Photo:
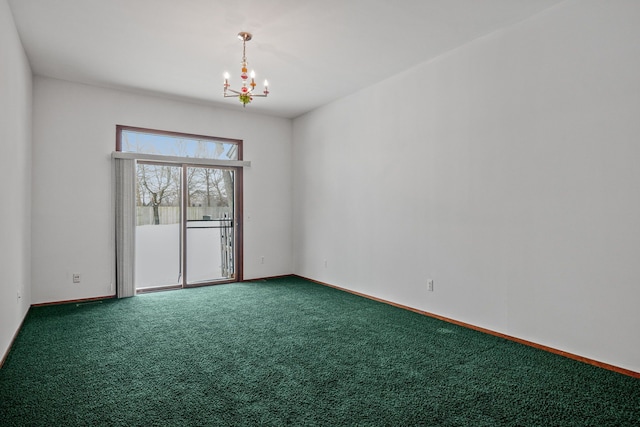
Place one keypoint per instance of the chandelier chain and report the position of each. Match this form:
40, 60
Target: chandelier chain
244, 52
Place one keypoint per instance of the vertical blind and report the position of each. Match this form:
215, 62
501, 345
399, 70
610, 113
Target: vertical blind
125, 226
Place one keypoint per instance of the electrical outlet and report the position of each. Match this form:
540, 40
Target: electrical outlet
76, 277
261, 260
430, 285
325, 263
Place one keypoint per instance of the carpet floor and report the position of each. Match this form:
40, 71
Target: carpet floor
288, 352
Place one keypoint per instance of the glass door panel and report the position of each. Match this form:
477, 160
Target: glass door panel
158, 219
209, 237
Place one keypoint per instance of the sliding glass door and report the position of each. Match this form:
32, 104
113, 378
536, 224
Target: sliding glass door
158, 262
185, 225
209, 225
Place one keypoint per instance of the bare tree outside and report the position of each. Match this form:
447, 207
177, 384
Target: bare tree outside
217, 184
158, 185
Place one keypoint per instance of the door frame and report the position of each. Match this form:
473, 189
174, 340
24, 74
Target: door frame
235, 165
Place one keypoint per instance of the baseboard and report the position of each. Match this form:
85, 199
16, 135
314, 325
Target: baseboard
579, 358
73, 301
15, 335
262, 279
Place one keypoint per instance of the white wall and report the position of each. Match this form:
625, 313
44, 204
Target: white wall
15, 179
507, 170
73, 136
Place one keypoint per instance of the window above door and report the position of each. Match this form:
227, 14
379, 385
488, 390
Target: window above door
175, 144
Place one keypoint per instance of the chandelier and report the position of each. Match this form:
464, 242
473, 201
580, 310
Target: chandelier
246, 92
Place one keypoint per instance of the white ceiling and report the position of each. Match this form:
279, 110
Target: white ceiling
311, 51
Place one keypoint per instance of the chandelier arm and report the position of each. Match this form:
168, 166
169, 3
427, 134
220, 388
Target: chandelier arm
237, 94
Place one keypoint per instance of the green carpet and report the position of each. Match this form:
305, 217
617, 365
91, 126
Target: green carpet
289, 352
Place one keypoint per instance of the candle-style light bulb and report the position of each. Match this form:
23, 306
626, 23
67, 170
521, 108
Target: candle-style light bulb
226, 83
253, 82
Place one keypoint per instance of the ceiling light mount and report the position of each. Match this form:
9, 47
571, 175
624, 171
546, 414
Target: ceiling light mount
244, 36
246, 93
